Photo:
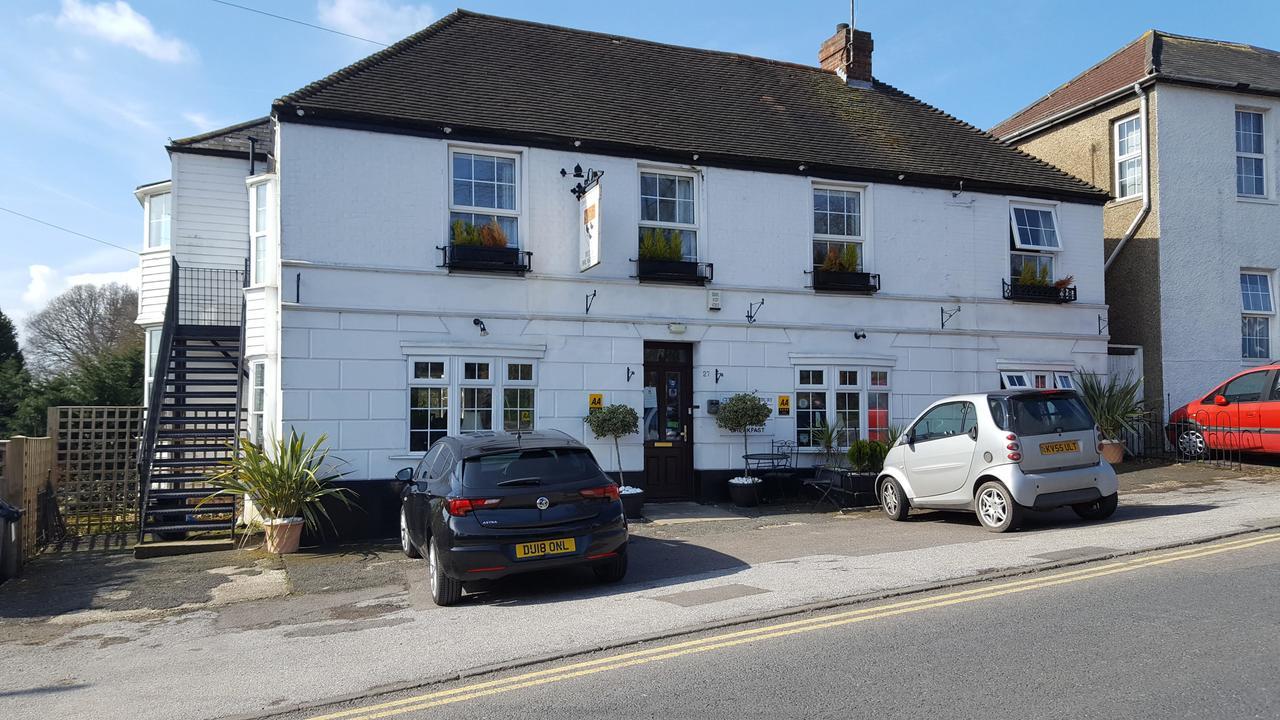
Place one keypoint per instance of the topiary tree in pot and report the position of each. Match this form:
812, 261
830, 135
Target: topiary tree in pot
616, 421
740, 413
1115, 407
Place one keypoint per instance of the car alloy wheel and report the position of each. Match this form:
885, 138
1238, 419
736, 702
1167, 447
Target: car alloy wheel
889, 498
992, 507
1191, 444
406, 545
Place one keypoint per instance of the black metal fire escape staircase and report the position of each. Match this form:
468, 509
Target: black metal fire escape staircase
195, 409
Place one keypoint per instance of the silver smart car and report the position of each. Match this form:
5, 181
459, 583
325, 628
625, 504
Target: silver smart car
999, 454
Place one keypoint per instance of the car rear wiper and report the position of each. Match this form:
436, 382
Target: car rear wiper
520, 481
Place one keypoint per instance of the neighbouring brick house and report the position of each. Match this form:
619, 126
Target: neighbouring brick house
1182, 132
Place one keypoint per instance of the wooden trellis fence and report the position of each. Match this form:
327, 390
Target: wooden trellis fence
97, 468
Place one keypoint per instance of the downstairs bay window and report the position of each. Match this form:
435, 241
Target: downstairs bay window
852, 400
466, 394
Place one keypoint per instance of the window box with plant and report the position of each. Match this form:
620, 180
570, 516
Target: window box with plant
661, 259
483, 248
841, 271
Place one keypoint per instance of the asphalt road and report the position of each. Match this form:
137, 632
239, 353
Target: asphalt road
1189, 633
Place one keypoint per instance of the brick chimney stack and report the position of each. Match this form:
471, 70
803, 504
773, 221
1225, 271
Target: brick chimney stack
847, 53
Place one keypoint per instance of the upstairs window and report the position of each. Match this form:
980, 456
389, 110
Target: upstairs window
1035, 241
1255, 320
1250, 156
668, 216
484, 207
837, 229
158, 220
1128, 149
259, 242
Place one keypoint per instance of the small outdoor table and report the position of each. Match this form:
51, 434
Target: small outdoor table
766, 461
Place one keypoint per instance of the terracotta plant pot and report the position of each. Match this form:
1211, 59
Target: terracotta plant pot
283, 535
1112, 451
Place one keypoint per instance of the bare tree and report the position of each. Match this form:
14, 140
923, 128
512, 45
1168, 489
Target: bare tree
81, 324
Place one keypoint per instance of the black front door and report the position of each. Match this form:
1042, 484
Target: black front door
668, 421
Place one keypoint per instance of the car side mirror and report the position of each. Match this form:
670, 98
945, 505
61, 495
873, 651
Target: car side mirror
404, 474
1221, 401
973, 432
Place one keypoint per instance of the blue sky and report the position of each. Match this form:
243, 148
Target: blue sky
91, 89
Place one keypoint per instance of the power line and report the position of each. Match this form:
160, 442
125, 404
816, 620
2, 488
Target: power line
66, 230
298, 22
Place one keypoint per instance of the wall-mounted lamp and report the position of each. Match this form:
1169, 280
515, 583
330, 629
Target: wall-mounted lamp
480, 324
718, 375
447, 129
753, 309
676, 328
859, 334
630, 374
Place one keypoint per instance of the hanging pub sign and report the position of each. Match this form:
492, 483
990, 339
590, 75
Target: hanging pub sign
589, 228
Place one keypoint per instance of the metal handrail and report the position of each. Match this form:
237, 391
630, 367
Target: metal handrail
241, 376
159, 376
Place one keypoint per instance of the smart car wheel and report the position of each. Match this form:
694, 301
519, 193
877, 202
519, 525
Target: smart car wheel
445, 590
996, 508
893, 500
1099, 509
1191, 444
406, 545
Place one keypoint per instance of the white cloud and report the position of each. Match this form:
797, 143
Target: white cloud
375, 19
45, 283
201, 122
118, 23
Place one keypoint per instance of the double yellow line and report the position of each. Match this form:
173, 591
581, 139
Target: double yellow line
794, 627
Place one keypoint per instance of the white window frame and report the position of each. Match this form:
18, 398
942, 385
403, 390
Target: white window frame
1264, 315
257, 404
1039, 257
1261, 157
517, 213
260, 238
831, 386
1050, 208
860, 239
694, 227
152, 339
160, 191
1137, 153
1025, 379
454, 382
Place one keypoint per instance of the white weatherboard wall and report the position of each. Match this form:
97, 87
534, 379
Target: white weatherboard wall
362, 214
210, 211
153, 286
1208, 234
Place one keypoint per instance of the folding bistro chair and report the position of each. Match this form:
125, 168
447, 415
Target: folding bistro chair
782, 468
829, 482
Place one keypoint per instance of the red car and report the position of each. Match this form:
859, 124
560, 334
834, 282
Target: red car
1241, 414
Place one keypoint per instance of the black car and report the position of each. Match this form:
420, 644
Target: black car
487, 505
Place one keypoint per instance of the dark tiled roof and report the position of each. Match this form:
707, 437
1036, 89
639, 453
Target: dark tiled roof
550, 85
1161, 56
233, 140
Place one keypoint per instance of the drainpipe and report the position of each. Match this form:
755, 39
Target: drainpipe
253, 150
1146, 181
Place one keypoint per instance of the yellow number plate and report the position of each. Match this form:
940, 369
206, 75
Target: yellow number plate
1055, 448
545, 547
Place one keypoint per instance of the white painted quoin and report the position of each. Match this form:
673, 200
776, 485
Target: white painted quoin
361, 334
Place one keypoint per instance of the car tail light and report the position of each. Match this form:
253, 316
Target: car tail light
458, 507
609, 492
1013, 447
1100, 438
1015, 456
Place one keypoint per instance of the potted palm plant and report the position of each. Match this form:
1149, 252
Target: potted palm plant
1115, 407
615, 421
739, 414
287, 481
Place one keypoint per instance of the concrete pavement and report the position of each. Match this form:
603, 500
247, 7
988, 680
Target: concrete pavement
337, 636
